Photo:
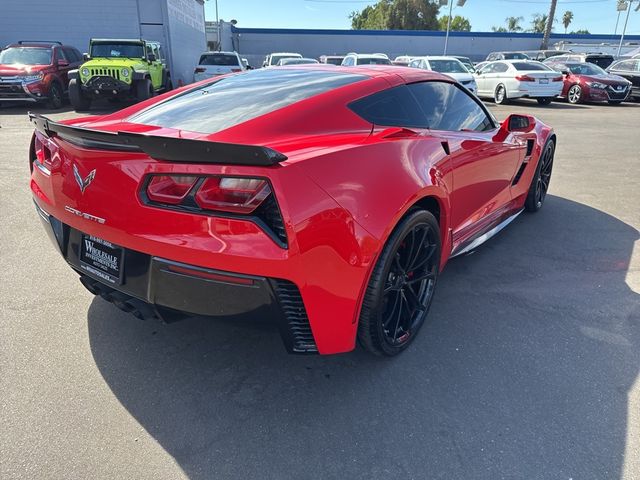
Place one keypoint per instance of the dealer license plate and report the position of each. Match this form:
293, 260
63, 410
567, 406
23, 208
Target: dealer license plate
101, 259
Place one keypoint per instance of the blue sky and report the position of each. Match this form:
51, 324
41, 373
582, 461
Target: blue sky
598, 16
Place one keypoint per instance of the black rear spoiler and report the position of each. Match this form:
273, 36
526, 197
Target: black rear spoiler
161, 148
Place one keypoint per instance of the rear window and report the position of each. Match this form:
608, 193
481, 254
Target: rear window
515, 56
219, 59
374, 61
231, 101
530, 66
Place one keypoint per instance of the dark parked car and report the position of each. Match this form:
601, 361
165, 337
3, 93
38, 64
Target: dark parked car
33, 71
542, 55
585, 81
603, 60
629, 69
507, 56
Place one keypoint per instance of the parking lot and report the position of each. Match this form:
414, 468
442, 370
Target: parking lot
529, 367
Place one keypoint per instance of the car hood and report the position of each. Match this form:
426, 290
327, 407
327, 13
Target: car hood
122, 62
606, 79
460, 77
19, 69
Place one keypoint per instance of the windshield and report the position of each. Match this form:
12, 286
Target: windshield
25, 56
529, 66
219, 59
516, 56
276, 58
334, 60
125, 50
447, 66
373, 61
585, 69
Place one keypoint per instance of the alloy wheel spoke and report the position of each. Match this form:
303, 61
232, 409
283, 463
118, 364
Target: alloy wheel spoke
392, 314
421, 278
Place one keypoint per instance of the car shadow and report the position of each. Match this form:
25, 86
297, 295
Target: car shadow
556, 104
522, 371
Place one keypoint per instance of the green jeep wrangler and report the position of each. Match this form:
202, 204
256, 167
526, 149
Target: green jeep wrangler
119, 68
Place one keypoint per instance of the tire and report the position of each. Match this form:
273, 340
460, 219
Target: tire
401, 286
574, 95
614, 102
541, 178
55, 100
78, 100
168, 86
544, 100
144, 89
500, 95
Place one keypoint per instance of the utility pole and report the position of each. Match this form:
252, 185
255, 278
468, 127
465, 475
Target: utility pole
624, 30
549, 25
218, 28
460, 3
446, 38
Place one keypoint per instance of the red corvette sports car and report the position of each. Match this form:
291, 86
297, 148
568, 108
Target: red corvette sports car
327, 199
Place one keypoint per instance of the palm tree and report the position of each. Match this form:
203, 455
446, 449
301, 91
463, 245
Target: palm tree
513, 24
539, 23
549, 24
566, 19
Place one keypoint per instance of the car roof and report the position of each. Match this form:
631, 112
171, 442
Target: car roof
34, 44
367, 55
212, 52
284, 53
439, 57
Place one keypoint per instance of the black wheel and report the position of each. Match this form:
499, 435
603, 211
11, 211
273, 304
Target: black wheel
401, 287
500, 95
78, 100
574, 95
615, 102
544, 100
168, 86
144, 89
55, 96
540, 182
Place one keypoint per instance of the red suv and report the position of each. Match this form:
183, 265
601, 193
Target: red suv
33, 71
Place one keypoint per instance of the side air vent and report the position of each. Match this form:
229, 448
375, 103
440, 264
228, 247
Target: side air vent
269, 213
530, 145
516, 179
295, 327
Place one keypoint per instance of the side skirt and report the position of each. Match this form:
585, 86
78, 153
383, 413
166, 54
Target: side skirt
479, 240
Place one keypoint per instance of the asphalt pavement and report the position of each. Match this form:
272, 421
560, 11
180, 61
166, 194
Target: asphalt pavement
528, 367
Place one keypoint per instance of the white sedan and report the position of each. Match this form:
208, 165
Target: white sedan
450, 66
508, 79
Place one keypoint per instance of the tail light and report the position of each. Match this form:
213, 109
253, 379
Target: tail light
45, 158
232, 194
200, 70
240, 195
525, 78
170, 189
557, 79
249, 197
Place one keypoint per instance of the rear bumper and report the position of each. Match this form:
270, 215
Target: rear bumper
154, 287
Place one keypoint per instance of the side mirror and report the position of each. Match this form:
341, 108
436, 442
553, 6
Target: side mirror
151, 57
85, 57
565, 72
519, 123
63, 63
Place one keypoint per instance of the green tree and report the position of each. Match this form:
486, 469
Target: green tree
498, 29
458, 23
397, 15
582, 31
513, 24
539, 23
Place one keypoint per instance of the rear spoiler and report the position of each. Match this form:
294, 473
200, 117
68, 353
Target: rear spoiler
169, 149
